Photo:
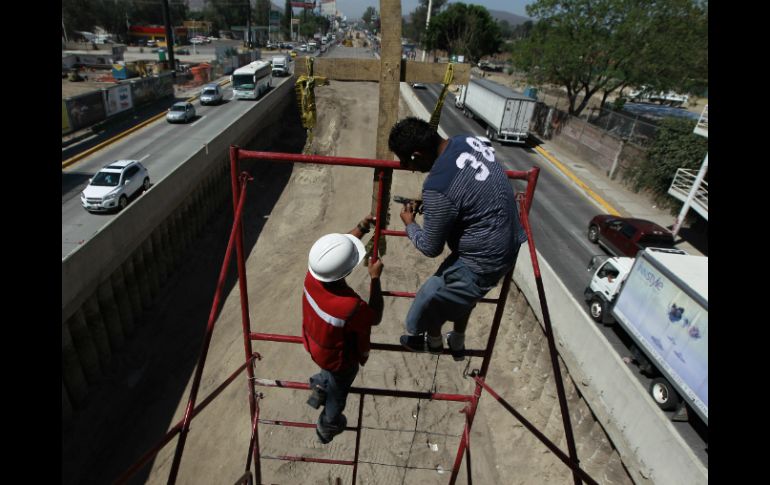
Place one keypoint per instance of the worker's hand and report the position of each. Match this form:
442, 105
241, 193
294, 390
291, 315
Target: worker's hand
407, 213
375, 268
368, 221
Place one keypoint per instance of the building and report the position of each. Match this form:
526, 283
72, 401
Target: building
138, 34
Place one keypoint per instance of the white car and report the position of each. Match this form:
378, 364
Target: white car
180, 112
197, 40
113, 185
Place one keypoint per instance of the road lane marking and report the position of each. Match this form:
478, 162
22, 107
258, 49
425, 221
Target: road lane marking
580, 183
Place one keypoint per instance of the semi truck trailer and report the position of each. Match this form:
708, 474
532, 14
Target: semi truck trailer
506, 113
660, 298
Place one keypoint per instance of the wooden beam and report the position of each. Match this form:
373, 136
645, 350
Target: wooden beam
341, 69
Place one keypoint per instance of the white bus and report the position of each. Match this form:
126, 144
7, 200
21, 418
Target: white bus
251, 80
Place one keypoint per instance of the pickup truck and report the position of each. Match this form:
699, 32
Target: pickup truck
622, 236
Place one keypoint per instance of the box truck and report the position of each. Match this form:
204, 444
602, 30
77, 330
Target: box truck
506, 113
660, 298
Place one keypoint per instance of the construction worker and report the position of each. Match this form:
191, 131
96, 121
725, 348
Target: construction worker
336, 322
468, 203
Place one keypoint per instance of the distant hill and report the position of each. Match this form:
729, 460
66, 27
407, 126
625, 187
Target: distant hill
511, 18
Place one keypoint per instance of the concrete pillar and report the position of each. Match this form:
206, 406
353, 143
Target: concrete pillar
120, 290
133, 290
98, 331
151, 265
140, 273
72, 373
110, 314
161, 256
84, 346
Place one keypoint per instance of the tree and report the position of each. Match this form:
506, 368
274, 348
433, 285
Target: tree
369, 14
286, 20
415, 28
463, 29
600, 46
675, 146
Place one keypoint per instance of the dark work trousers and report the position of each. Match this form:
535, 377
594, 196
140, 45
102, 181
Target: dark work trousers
337, 386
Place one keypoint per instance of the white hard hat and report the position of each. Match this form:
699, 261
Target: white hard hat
334, 256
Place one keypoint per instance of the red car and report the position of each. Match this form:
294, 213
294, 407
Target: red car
622, 236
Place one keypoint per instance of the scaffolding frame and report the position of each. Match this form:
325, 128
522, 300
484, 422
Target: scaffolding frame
239, 183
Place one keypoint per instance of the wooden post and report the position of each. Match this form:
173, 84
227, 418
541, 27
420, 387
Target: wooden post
389, 71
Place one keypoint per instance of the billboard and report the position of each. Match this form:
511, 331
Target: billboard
65, 119
671, 326
117, 99
85, 109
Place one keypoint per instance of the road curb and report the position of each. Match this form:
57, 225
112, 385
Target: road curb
543, 152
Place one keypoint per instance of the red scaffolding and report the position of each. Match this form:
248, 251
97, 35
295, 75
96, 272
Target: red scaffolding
239, 181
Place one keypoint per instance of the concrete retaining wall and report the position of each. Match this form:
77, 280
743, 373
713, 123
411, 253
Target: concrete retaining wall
112, 279
650, 447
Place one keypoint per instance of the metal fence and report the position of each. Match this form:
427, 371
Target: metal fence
628, 127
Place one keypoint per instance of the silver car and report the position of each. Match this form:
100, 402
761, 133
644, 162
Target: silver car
113, 185
211, 94
181, 112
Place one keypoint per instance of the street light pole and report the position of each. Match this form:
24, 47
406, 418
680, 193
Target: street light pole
427, 23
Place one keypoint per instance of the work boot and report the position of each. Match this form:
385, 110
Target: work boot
326, 433
456, 343
317, 397
419, 343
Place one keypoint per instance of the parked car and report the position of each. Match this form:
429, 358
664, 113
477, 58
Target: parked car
151, 43
180, 112
211, 94
113, 185
622, 236
197, 40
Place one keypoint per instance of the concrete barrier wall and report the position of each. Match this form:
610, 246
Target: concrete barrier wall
650, 447
112, 279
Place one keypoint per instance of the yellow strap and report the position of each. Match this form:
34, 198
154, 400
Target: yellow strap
304, 87
448, 76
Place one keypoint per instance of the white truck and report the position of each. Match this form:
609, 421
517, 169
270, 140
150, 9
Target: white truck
506, 112
281, 66
660, 298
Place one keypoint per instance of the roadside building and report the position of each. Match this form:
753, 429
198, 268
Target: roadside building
140, 34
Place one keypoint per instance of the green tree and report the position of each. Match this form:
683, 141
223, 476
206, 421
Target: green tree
286, 20
466, 30
415, 28
600, 46
675, 146
369, 15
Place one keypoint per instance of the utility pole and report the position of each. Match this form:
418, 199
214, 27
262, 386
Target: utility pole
248, 24
169, 38
427, 23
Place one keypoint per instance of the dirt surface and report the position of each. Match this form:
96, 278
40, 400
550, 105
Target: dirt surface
404, 440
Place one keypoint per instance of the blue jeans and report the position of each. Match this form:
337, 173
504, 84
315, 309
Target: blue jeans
449, 295
337, 386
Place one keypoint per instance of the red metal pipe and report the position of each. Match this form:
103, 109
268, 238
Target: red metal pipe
314, 460
347, 161
435, 396
550, 444
407, 294
244, 297
378, 222
175, 429
206, 342
552, 349
388, 232
291, 339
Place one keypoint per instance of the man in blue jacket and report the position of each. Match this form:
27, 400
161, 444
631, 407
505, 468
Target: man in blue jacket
469, 204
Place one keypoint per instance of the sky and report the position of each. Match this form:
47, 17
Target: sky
355, 8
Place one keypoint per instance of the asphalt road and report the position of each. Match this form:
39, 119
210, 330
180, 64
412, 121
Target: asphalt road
160, 146
559, 217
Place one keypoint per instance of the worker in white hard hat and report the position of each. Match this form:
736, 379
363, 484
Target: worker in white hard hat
336, 322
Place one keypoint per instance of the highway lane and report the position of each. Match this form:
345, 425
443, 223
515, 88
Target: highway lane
160, 146
559, 217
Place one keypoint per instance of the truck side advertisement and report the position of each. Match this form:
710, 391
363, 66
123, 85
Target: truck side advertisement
671, 325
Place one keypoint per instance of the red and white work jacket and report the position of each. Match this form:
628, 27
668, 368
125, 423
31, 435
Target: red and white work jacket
336, 325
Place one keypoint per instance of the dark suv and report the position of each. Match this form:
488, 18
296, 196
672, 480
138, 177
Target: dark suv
622, 236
